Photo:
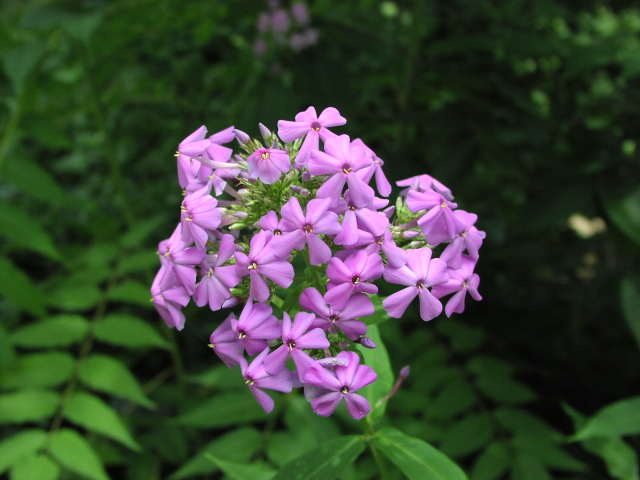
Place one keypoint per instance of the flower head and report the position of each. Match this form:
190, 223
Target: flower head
256, 378
331, 319
461, 281
268, 164
353, 275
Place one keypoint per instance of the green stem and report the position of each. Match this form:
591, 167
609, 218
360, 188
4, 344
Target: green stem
379, 459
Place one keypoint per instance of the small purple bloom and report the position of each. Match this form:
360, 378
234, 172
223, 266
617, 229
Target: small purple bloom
382, 184
300, 228
313, 126
256, 378
263, 262
362, 214
469, 239
217, 279
280, 21
198, 215
439, 224
269, 222
268, 164
255, 326
300, 13
169, 298
341, 159
353, 275
176, 256
346, 318
296, 336
339, 384
225, 343
420, 273
423, 183
461, 281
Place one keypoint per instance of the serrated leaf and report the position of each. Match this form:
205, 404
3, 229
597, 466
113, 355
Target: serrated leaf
16, 286
74, 297
76, 454
92, 413
21, 230
527, 467
128, 331
130, 291
239, 471
504, 390
56, 331
492, 463
110, 375
27, 406
238, 446
416, 458
378, 359
630, 302
29, 177
222, 410
467, 435
38, 370
614, 420
38, 467
20, 445
325, 462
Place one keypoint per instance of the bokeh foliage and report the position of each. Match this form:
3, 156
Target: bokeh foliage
527, 110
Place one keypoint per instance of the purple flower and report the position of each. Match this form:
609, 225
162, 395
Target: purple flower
300, 228
295, 338
420, 273
313, 126
341, 159
262, 262
382, 184
255, 326
352, 276
268, 164
264, 22
180, 259
169, 297
346, 318
461, 281
217, 279
300, 13
362, 214
257, 378
224, 342
198, 214
339, 384
396, 256
439, 224
469, 239
280, 21
423, 183
269, 222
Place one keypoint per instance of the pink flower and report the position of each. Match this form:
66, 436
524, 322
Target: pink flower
255, 326
382, 184
419, 274
180, 259
469, 239
353, 275
198, 216
257, 378
217, 278
169, 297
461, 281
268, 164
313, 126
439, 224
225, 343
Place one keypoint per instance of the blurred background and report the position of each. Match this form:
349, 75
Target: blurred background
527, 110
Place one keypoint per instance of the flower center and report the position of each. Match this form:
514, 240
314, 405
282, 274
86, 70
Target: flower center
265, 155
352, 208
249, 381
420, 284
242, 334
444, 205
344, 390
291, 345
347, 169
355, 279
307, 227
210, 272
277, 232
253, 266
465, 284
334, 318
316, 126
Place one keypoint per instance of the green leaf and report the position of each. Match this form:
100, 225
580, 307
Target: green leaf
93, 414
630, 301
456, 397
237, 446
504, 390
467, 435
492, 366
547, 452
325, 462
288, 445
57, 331
39, 370
110, 375
27, 406
138, 262
19, 228
221, 411
16, 286
239, 471
130, 291
527, 467
379, 315
137, 235
463, 338
614, 420
20, 445
416, 458
621, 459
520, 421
125, 330
74, 297
624, 210
38, 467
76, 454
492, 463
20, 61
378, 359
29, 177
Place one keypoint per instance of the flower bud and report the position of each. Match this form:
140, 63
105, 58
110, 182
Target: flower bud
366, 342
405, 371
241, 137
265, 132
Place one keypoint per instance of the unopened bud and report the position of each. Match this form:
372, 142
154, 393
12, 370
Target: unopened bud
366, 342
237, 226
405, 371
332, 362
389, 211
265, 132
241, 137
410, 233
301, 190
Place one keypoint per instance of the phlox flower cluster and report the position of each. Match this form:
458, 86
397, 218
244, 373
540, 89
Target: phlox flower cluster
289, 27
293, 232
